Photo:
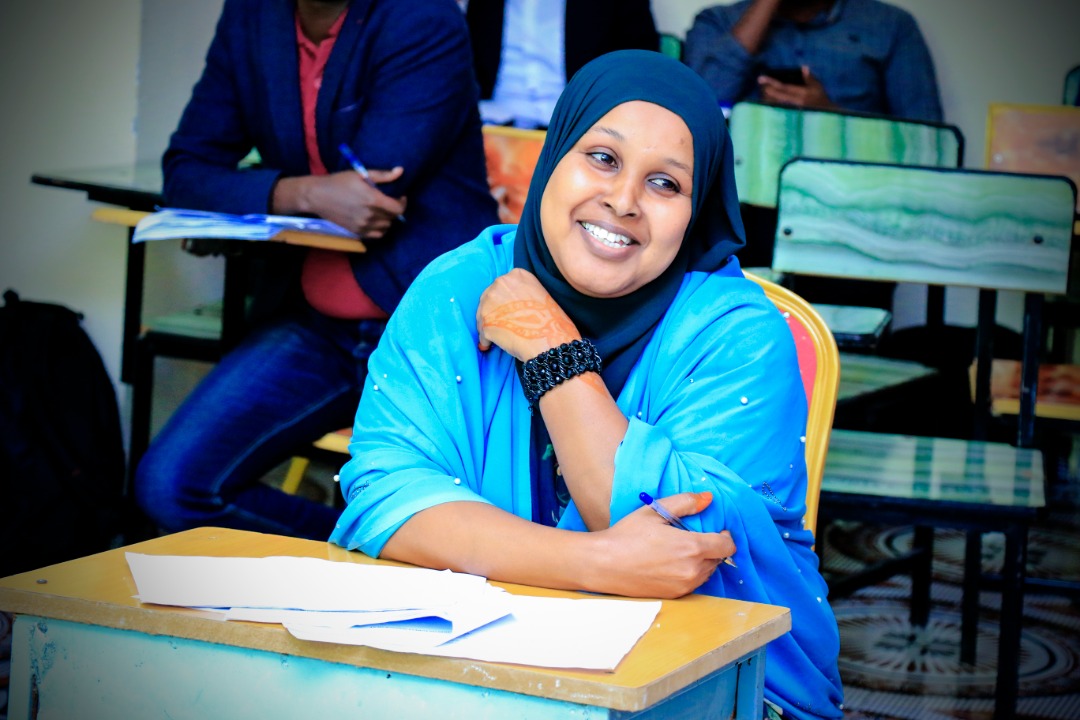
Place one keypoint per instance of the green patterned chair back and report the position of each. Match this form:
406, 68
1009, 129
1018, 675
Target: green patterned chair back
764, 137
973, 228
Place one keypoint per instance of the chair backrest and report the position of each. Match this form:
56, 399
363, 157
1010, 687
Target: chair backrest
511, 155
764, 137
974, 228
1036, 139
819, 366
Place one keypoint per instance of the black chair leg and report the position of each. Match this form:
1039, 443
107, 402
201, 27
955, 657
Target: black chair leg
969, 604
921, 570
142, 392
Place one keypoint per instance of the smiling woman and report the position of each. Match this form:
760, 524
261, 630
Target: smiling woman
627, 185
536, 381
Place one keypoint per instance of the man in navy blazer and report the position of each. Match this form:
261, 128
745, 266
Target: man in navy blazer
295, 79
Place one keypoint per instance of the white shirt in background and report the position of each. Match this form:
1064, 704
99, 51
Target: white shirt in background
532, 67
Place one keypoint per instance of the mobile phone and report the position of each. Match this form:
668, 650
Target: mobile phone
786, 75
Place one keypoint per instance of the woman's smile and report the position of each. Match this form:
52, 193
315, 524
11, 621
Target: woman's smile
608, 237
618, 203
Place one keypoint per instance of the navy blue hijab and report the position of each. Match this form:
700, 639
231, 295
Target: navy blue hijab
620, 327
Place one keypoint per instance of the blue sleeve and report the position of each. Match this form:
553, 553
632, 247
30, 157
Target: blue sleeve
214, 135
714, 53
429, 405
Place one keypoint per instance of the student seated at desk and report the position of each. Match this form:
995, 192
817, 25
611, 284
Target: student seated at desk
534, 381
393, 80
862, 55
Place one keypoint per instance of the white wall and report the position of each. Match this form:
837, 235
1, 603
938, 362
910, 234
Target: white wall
68, 79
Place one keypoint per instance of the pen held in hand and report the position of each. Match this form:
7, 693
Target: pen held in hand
674, 521
350, 157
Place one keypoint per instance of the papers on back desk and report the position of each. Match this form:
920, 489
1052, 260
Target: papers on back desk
402, 609
172, 224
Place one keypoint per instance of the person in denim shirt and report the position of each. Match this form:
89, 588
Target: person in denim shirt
855, 55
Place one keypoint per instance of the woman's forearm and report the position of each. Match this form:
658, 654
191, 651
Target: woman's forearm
586, 427
481, 539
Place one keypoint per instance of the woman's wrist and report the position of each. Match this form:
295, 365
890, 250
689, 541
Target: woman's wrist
556, 365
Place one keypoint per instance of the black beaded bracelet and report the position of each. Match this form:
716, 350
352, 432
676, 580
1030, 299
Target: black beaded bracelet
557, 365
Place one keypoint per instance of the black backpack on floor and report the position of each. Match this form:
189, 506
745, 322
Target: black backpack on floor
61, 448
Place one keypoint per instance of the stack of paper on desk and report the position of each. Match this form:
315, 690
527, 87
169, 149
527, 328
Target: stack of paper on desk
171, 224
401, 609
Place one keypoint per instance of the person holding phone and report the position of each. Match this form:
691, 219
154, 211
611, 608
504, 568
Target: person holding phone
861, 55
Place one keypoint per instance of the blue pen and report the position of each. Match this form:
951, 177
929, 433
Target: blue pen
674, 521
350, 157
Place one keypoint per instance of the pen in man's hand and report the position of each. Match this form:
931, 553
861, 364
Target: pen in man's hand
350, 157
676, 522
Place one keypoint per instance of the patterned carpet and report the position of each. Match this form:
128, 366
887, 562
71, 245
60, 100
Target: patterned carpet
893, 672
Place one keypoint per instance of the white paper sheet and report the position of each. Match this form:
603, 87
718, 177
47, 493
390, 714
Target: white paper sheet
294, 583
173, 224
420, 611
544, 632
447, 620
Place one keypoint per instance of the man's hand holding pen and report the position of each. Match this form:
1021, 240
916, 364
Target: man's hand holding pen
345, 198
349, 200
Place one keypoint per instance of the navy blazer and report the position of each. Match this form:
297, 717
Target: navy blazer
591, 29
398, 88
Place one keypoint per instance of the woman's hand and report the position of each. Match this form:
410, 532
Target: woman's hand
344, 198
643, 556
517, 314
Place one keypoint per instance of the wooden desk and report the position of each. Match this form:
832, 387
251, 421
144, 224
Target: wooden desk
1057, 397
84, 647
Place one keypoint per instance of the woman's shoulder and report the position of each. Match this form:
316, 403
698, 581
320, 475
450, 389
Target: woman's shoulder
712, 294
468, 268
721, 307
491, 250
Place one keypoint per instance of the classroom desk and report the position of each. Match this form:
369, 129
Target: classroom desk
853, 327
137, 188
84, 647
946, 483
202, 334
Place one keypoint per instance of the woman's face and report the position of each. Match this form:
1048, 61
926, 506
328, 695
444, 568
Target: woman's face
617, 205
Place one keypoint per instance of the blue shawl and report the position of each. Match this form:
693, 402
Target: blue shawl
715, 402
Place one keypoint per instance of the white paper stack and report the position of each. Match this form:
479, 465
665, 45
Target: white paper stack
402, 609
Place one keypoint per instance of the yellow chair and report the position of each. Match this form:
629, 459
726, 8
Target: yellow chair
819, 365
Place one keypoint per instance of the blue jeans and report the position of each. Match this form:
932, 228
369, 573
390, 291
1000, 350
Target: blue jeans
282, 388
